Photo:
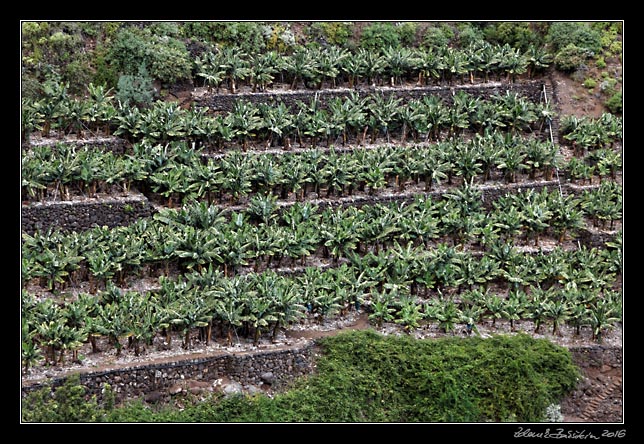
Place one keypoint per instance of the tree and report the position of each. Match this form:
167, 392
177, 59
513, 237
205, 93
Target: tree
279, 122
135, 90
229, 304
447, 314
244, 119
67, 403
602, 315
190, 311
409, 314
512, 309
235, 64
300, 65
263, 67
381, 307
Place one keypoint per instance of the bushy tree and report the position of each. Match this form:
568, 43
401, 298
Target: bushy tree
570, 58
580, 34
165, 57
136, 89
66, 403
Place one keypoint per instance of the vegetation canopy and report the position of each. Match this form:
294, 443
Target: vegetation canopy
363, 376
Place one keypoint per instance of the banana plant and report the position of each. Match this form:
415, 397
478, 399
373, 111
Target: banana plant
234, 245
558, 311
197, 248
279, 123
428, 64
603, 204
567, 215
31, 118
30, 351
512, 62
268, 172
603, 313
230, 297
263, 68
245, 120
238, 175
494, 307
102, 268
295, 177
288, 305
409, 314
113, 322
471, 315
536, 217
514, 307
209, 67
607, 163
381, 307
447, 313
382, 113
235, 63
347, 114
398, 62
434, 166
537, 308
191, 311
538, 59
76, 113
331, 60
511, 163
262, 208
300, 65
55, 93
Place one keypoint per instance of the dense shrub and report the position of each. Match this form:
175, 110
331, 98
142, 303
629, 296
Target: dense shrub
363, 376
67, 403
580, 34
165, 57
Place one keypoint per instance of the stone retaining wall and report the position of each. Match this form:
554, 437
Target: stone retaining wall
598, 397
82, 215
250, 370
112, 212
225, 102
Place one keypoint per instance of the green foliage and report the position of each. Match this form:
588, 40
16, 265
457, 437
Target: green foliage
66, 403
590, 83
249, 36
570, 58
363, 376
334, 33
165, 57
136, 89
519, 35
580, 34
380, 35
438, 36
615, 103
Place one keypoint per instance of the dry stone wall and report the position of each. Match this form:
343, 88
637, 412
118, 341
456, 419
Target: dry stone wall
82, 215
532, 90
249, 371
597, 398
